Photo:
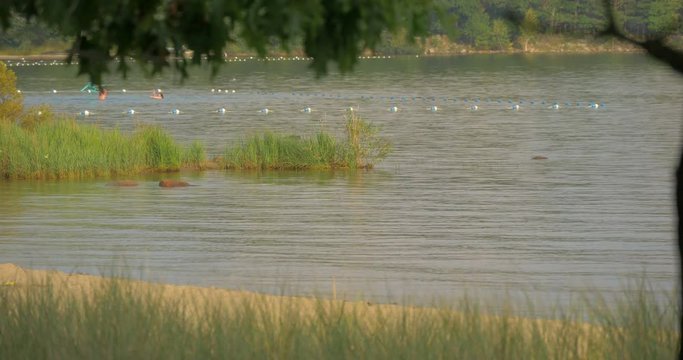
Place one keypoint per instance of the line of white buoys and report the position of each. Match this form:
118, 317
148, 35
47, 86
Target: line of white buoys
392, 109
406, 99
24, 62
35, 63
375, 57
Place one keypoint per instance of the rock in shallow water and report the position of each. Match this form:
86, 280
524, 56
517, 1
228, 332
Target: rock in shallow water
173, 183
123, 183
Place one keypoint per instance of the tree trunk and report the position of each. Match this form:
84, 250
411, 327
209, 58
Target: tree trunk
679, 210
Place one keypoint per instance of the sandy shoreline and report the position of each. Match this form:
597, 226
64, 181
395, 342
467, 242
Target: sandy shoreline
77, 284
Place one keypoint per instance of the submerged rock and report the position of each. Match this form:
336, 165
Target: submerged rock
173, 183
123, 183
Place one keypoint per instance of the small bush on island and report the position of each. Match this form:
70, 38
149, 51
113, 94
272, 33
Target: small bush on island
11, 101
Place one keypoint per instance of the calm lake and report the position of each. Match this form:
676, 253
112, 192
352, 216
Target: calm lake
458, 206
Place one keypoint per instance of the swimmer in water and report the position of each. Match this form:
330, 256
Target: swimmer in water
103, 93
157, 94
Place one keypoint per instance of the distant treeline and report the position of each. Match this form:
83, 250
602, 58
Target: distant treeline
490, 23
477, 24
31, 36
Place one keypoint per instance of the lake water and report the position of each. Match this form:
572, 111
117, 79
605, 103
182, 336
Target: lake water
459, 205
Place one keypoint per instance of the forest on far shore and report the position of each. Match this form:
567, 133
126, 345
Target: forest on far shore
465, 25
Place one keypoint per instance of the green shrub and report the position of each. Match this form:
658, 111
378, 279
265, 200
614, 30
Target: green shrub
364, 147
11, 101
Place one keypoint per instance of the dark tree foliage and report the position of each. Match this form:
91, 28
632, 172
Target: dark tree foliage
157, 32
658, 49
324, 28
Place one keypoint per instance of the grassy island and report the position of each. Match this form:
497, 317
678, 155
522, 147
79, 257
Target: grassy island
58, 148
35, 143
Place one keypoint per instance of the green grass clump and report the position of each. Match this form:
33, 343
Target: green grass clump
361, 148
275, 151
57, 148
120, 320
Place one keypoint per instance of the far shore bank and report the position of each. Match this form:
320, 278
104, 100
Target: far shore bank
437, 45
461, 52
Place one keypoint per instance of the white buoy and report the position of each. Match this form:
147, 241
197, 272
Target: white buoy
515, 107
175, 112
350, 108
40, 113
130, 112
307, 110
219, 90
393, 109
474, 107
213, 90
434, 108
555, 106
123, 90
18, 91
594, 105
221, 110
85, 113
264, 111
232, 91
54, 91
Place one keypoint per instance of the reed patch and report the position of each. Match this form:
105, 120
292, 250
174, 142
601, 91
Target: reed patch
60, 148
361, 147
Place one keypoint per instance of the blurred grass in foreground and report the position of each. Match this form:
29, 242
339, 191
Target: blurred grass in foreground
62, 318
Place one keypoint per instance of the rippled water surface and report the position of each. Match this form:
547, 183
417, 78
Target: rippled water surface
458, 205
